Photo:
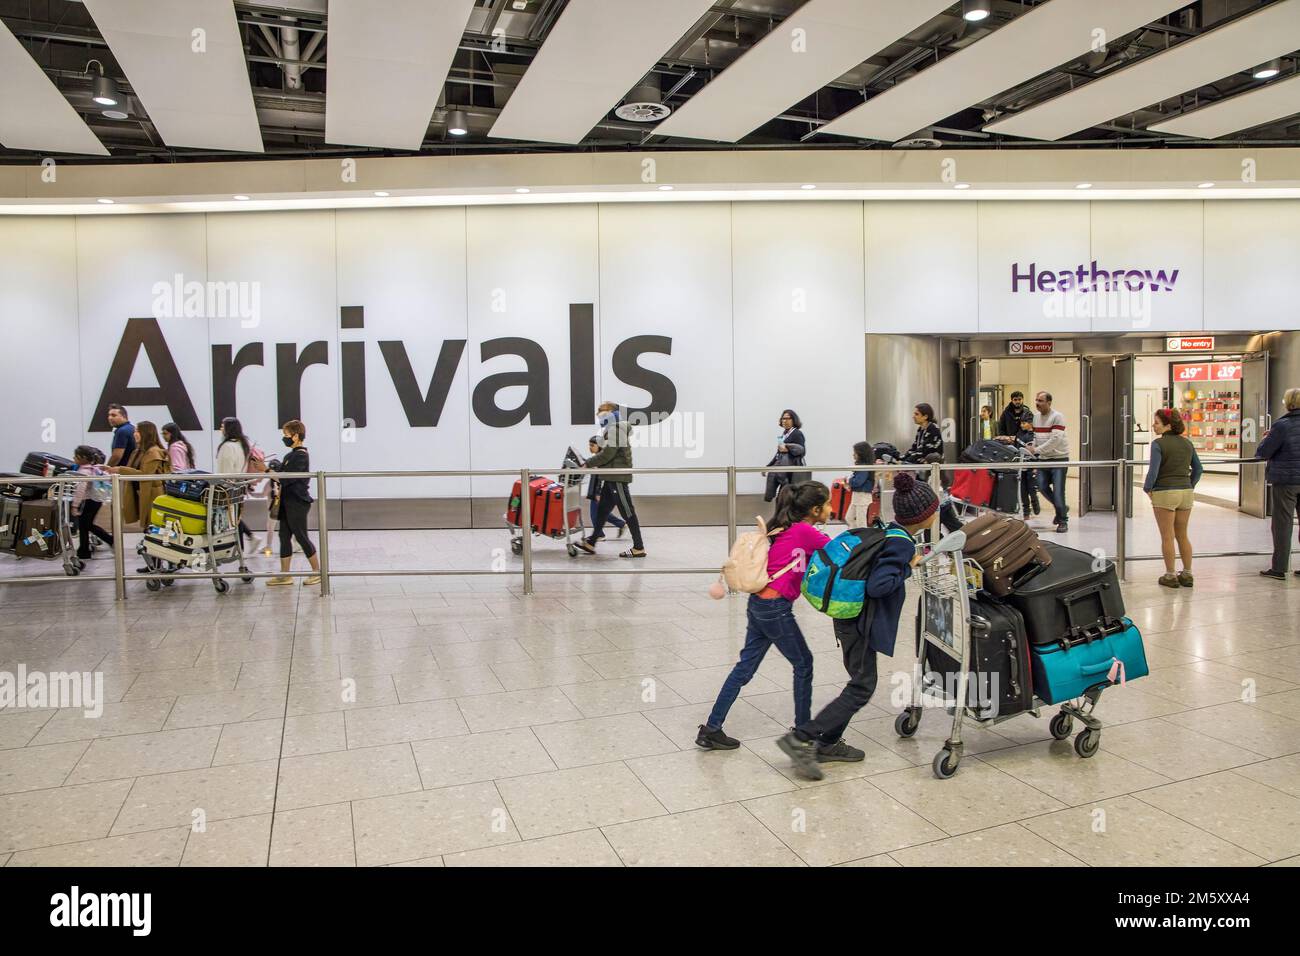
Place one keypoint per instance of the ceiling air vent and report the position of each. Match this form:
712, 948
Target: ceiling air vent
643, 105
918, 142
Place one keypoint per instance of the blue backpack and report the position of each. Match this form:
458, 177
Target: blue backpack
835, 581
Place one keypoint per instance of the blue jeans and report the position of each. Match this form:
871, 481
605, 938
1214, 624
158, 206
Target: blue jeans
613, 519
1052, 483
770, 621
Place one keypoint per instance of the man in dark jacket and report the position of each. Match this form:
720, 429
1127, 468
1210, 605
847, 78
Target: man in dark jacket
1281, 449
1009, 423
615, 452
821, 739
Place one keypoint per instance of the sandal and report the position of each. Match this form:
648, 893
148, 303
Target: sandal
631, 553
585, 547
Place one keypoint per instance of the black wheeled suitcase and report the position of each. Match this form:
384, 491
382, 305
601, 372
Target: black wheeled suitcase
990, 451
10, 505
191, 485
25, 492
1006, 492
1076, 597
40, 464
1001, 675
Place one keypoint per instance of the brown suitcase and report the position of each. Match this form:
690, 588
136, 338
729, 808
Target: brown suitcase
37, 533
1007, 550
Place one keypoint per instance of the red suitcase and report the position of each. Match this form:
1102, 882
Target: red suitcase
841, 496
536, 486
973, 486
548, 511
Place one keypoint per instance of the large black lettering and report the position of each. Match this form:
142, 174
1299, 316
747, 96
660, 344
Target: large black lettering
582, 363
663, 393
225, 377
289, 368
536, 378
423, 409
170, 391
352, 369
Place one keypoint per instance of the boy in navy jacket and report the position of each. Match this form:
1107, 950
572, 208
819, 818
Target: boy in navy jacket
820, 740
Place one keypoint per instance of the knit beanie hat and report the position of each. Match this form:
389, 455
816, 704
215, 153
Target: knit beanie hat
914, 501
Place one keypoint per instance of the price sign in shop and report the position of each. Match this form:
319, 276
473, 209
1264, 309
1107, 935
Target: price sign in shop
1208, 372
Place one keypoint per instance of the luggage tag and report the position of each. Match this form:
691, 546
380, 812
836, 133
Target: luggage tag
1116, 666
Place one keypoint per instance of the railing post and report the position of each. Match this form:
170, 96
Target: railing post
119, 546
323, 532
526, 527
731, 507
1121, 516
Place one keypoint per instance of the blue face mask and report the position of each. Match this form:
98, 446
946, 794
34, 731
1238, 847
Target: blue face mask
605, 419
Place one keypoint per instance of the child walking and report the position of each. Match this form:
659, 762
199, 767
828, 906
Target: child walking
821, 738
89, 498
770, 613
862, 484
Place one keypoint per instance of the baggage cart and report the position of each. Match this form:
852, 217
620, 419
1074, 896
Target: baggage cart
170, 549
570, 530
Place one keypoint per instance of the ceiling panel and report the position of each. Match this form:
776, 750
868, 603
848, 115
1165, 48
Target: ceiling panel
33, 113
1240, 45
786, 66
1031, 44
595, 53
383, 83
1273, 101
186, 65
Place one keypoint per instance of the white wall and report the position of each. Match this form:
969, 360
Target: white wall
763, 306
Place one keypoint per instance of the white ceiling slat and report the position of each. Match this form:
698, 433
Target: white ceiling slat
1273, 101
1269, 32
785, 67
186, 64
33, 113
594, 54
387, 66
1033, 43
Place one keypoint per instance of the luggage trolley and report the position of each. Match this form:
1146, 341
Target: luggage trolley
59, 540
943, 619
169, 548
571, 521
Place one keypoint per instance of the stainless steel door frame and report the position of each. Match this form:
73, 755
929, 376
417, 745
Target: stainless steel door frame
969, 412
1096, 436
1123, 417
1252, 489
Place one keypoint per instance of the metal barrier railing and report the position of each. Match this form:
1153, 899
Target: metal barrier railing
1122, 477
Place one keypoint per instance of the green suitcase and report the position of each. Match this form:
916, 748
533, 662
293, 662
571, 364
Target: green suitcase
191, 517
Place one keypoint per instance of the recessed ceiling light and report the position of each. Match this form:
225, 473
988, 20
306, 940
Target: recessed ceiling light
1083, 186
1205, 186
808, 186
1266, 71
665, 188
106, 202
380, 192
523, 189
961, 186
241, 198
976, 10
115, 113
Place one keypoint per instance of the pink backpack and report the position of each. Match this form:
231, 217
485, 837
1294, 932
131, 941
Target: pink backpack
746, 566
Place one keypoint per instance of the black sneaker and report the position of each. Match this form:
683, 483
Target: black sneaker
711, 739
1062, 527
1275, 575
1037, 506
804, 755
828, 753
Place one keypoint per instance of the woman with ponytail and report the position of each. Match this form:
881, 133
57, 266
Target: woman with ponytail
770, 614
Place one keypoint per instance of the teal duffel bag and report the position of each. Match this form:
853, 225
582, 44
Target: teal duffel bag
1064, 673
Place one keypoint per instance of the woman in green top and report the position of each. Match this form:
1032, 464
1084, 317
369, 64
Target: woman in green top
1172, 474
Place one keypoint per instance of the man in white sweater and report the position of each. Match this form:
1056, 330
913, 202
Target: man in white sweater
1051, 444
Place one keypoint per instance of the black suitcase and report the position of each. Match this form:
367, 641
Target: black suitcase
1006, 492
1076, 596
10, 506
37, 536
989, 451
1001, 681
40, 464
190, 485
25, 492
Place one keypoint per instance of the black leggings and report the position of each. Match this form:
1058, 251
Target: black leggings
86, 527
615, 494
293, 524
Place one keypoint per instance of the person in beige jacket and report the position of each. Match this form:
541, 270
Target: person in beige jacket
149, 458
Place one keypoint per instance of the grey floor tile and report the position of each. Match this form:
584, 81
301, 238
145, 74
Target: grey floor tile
545, 804
39, 768
250, 741
346, 775
1007, 845
215, 793
519, 708
155, 848
1244, 812
128, 717
39, 818
726, 835
428, 823
243, 841
138, 755
396, 723
492, 755
314, 836
578, 743
580, 848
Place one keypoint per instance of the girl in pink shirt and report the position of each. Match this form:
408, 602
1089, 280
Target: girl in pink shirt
770, 614
180, 453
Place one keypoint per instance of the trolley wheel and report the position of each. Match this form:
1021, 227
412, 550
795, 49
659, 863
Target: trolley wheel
517, 545
221, 585
153, 584
168, 582
247, 579
72, 570
945, 765
573, 550
1086, 744
79, 564
1061, 725
905, 724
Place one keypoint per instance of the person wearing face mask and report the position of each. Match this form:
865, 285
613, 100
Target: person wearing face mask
615, 452
295, 503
